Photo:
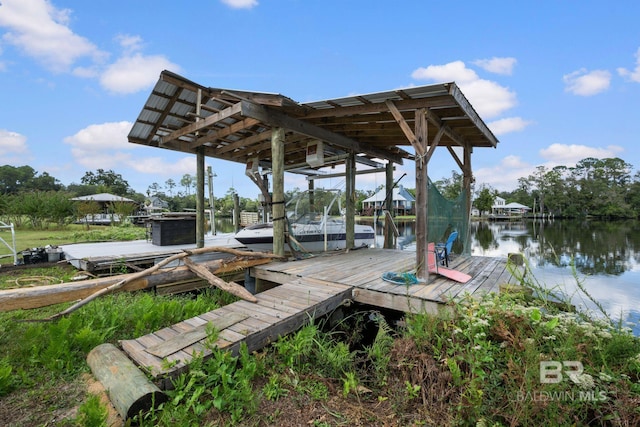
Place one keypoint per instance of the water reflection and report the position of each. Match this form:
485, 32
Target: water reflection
604, 254
595, 247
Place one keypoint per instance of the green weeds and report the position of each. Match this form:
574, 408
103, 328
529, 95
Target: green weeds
478, 363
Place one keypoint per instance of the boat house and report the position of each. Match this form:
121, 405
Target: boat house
402, 202
272, 134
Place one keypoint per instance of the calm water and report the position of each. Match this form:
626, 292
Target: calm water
606, 256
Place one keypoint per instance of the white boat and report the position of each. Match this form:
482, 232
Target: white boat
313, 231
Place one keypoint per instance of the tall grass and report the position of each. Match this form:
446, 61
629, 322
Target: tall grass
478, 363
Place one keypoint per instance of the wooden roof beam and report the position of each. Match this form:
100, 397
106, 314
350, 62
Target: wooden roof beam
202, 124
277, 118
381, 107
406, 129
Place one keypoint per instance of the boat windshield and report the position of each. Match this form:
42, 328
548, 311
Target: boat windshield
309, 207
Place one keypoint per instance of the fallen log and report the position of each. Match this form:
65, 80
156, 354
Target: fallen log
231, 287
41, 296
148, 271
129, 389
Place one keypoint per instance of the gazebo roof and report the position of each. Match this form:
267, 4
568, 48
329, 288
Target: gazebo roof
399, 193
236, 125
103, 197
515, 205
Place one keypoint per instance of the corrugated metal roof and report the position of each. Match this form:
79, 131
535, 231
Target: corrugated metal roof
236, 125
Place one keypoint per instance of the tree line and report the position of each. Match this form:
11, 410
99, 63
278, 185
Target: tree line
40, 199
600, 188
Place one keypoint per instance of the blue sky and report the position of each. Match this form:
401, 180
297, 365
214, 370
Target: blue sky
556, 81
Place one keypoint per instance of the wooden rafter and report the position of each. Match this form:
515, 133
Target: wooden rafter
202, 124
276, 118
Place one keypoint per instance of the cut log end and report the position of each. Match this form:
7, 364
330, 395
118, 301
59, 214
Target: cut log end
129, 390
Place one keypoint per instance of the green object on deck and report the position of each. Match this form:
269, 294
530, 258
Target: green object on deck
400, 278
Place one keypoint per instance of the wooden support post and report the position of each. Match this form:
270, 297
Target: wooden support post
129, 389
422, 185
236, 212
278, 211
200, 197
467, 183
389, 237
310, 186
350, 169
199, 181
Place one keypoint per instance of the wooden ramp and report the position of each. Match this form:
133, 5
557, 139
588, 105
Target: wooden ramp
309, 288
281, 310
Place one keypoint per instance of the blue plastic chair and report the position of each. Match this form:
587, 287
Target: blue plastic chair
443, 250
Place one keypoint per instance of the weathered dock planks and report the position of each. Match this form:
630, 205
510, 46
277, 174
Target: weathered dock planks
363, 270
303, 289
279, 311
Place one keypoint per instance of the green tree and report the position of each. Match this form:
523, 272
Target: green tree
86, 209
450, 188
122, 210
486, 198
170, 185
25, 178
187, 181
108, 182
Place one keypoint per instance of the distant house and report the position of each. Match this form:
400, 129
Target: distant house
498, 204
105, 201
154, 204
500, 208
402, 202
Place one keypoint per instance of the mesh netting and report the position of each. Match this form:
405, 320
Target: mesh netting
445, 216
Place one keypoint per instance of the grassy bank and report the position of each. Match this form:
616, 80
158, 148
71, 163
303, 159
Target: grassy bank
479, 364
74, 233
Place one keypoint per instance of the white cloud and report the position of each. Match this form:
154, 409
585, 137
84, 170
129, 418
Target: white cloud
584, 83
240, 4
12, 143
508, 125
106, 146
453, 71
570, 154
633, 75
41, 31
129, 43
487, 97
134, 71
13, 148
160, 166
504, 176
131, 74
502, 66
103, 137
96, 146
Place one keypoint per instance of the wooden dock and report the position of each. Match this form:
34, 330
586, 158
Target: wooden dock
363, 269
105, 258
296, 291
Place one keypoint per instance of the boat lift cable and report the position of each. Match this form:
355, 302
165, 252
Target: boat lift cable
390, 190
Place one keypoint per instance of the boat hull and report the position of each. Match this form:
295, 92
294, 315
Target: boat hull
307, 238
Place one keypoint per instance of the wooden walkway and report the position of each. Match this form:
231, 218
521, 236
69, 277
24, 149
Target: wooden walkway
363, 269
279, 311
309, 288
